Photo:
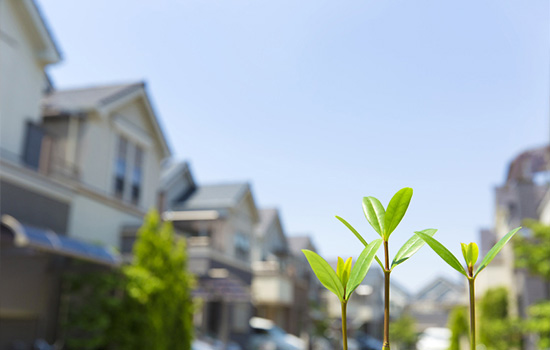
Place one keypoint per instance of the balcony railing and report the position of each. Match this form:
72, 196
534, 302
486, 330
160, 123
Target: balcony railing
50, 163
43, 153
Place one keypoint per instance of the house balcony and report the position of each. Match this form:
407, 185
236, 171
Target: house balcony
271, 284
43, 154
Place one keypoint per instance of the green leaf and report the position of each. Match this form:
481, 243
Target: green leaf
346, 271
495, 250
361, 267
340, 268
470, 252
397, 209
411, 247
443, 252
359, 237
343, 270
325, 273
374, 212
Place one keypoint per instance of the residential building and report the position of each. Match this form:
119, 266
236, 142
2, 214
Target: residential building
219, 222
432, 305
525, 194
110, 138
272, 283
77, 167
307, 305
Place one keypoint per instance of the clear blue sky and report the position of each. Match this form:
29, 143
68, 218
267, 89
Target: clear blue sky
319, 103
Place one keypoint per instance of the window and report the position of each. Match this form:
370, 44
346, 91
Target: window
128, 171
242, 246
33, 145
120, 166
137, 175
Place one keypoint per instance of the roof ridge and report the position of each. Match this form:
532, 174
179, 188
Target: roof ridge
121, 93
98, 86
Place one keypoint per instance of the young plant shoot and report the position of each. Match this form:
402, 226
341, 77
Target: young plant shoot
384, 222
346, 279
470, 252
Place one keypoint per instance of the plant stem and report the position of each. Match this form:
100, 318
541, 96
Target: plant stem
472, 314
344, 328
387, 272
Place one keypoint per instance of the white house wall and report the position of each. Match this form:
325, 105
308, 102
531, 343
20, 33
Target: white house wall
22, 77
96, 154
94, 221
98, 151
273, 290
241, 222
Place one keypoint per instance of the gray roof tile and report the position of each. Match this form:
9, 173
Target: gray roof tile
210, 197
84, 99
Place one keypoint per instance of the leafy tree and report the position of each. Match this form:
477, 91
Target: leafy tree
145, 305
533, 254
496, 329
157, 310
458, 324
403, 332
533, 251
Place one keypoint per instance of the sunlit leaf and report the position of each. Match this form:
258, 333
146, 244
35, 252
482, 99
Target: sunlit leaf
325, 273
361, 267
470, 252
443, 252
495, 250
343, 270
396, 210
359, 237
374, 212
346, 272
339, 268
411, 247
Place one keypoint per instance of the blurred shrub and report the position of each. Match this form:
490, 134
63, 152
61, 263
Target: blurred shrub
539, 322
403, 333
458, 323
89, 303
533, 253
497, 331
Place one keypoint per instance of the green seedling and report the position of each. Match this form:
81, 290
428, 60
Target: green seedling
384, 222
470, 252
345, 279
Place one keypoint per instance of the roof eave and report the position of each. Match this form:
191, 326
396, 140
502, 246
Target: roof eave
50, 54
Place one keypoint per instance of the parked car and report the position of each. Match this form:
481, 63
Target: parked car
434, 338
265, 335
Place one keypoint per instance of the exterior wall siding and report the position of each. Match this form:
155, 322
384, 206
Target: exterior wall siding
22, 80
92, 220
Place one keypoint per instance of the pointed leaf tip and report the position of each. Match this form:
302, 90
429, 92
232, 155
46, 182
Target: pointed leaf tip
358, 235
443, 252
411, 247
495, 250
324, 272
361, 267
396, 210
375, 213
